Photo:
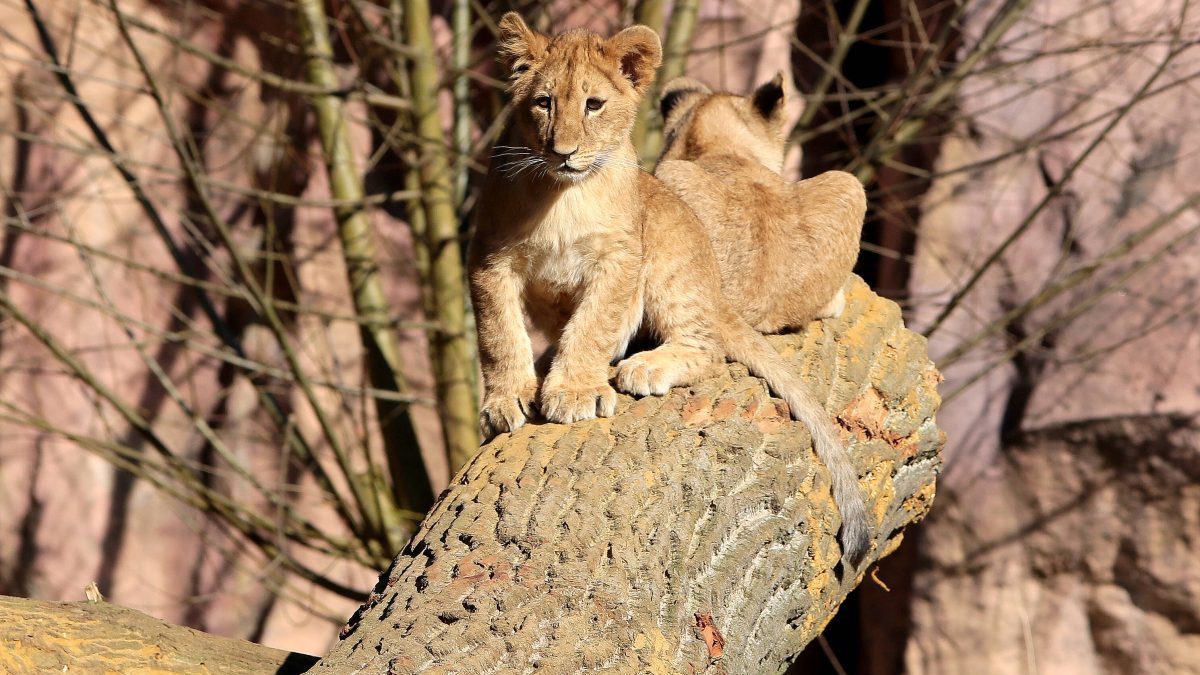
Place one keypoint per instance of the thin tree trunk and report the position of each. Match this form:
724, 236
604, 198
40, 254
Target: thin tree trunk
676, 44
457, 400
650, 13
410, 479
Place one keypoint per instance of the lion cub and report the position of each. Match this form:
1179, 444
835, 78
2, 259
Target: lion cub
572, 234
723, 155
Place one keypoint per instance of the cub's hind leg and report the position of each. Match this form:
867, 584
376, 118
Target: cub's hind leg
691, 345
671, 364
682, 293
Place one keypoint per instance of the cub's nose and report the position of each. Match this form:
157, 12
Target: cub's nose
564, 154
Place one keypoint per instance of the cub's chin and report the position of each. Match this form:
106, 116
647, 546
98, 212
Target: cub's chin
568, 174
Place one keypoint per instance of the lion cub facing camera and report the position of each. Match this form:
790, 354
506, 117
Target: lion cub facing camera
571, 234
723, 156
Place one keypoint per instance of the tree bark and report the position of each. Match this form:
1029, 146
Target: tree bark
690, 533
85, 637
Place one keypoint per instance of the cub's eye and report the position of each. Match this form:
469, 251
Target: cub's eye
594, 104
542, 102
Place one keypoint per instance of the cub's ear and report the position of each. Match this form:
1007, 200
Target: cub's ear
638, 52
518, 46
768, 99
676, 90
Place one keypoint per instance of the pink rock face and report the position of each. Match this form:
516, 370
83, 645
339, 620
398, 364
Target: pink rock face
1066, 532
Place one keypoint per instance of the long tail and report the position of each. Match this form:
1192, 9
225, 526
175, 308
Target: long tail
749, 347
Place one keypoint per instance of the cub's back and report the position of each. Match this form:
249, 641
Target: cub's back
785, 249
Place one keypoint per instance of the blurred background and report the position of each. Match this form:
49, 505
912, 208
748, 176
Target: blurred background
236, 360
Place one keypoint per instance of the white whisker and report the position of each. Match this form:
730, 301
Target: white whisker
516, 165
513, 160
500, 166
527, 164
606, 159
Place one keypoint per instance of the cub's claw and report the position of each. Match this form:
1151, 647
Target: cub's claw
566, 405
507, 412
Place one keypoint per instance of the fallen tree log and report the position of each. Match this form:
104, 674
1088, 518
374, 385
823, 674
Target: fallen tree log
690, 533
98, 637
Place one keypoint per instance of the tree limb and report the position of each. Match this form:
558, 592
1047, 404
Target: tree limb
693, 532
453, 366
409, 476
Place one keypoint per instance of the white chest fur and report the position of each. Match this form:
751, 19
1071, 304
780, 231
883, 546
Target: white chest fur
569, 238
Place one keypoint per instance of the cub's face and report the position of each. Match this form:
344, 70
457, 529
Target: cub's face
575, 97
699, 122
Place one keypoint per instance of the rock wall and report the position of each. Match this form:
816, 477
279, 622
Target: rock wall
1066, 539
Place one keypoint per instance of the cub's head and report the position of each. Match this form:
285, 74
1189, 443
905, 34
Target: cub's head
574, 95
698, 122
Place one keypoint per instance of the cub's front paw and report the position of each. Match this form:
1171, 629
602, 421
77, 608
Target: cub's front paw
505, 411
566, 404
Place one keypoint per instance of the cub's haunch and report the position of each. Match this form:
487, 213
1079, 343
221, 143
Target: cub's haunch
571, 234
724, 156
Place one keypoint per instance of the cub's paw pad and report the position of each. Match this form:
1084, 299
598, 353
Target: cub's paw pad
503, 413
570, 404
644, 375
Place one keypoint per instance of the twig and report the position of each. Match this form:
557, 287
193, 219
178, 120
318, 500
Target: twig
1076, 310
846, 37
256, 296
1067, 282
181, 260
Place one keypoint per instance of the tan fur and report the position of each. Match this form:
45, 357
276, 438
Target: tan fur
724, 156
572, 235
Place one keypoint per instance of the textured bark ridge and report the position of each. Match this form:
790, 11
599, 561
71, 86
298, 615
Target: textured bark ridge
690, 533
83, 637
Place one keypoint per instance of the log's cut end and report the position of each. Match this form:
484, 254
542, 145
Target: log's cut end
37, 638
690, 533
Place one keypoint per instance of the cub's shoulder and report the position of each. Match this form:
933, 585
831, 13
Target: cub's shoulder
660, 201
656, 193
679, 172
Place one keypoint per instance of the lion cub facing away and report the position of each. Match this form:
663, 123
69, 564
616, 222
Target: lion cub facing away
571, 233
723, 155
